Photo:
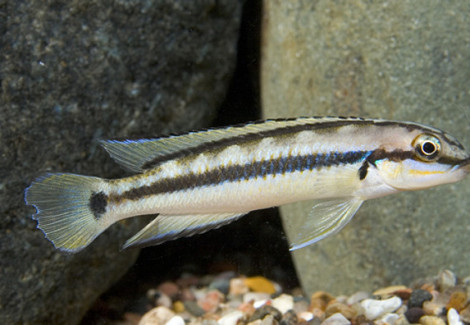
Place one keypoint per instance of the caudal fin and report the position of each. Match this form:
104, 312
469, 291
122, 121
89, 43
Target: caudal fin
68, 209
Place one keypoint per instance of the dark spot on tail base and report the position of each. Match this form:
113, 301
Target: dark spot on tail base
98, 203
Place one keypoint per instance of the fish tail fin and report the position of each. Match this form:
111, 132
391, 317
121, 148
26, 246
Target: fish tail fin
68, 209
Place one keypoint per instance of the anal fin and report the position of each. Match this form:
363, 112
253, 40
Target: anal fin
164, 228
326, 218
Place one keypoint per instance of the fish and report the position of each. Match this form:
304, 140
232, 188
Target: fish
205, 179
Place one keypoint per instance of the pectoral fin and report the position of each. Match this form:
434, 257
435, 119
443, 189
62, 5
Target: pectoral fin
326, 218
164, 228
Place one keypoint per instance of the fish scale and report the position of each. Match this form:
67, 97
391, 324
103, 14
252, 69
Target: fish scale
202, 180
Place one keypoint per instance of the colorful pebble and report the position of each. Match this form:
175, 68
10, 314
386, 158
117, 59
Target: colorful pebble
253, 301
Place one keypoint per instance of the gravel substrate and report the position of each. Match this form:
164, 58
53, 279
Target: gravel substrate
230, 299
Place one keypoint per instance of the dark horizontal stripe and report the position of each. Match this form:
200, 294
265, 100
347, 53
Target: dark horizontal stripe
446, 160
400, 155
226, 142
379, 154
286, 130
248, 171
395, 155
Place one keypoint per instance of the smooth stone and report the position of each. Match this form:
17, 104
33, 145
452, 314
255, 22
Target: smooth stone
466, 281
207, 322
211, 301
453, 317
260, 284
193, 308
320, 299
402, 320
256, 297
441, 298
157, 316
408, 62
158, 298
256, 322
269, 320
238, 287
414, 314
306, 315
177, 320
360, 319
187, 294
457, 301
336, 319
260, 303
343, 309
418, 297
313, 321
431, 320
223, 285
289, 318
323, 295
401, 310
261, 312
357, 297
401, 292
376, 308
163, 300
247, 308
388, 291
465, 314
170, 289
433, 308
301, 305
199, 293
283, 303
389, 319
342, 299
231, 318
446, 280
178, 307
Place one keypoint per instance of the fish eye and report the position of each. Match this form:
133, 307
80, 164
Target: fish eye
427, 147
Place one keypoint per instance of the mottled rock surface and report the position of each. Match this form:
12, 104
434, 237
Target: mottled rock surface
73, 72
406, 60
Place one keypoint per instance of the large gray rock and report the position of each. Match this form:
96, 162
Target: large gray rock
73, 72
403, 60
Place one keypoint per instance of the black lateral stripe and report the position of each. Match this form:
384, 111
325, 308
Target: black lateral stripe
278, 166
400, 155
395, 155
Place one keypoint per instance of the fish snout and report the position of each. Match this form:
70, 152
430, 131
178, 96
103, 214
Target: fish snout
466, 167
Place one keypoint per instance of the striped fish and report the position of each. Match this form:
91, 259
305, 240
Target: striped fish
203, 180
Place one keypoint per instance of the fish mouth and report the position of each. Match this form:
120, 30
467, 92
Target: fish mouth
465, 165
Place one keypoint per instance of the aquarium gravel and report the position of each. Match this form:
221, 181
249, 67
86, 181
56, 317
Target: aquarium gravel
231, 299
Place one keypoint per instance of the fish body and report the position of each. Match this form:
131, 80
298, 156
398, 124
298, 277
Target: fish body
203, 180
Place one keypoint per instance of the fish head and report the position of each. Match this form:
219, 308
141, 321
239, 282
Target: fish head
424, 157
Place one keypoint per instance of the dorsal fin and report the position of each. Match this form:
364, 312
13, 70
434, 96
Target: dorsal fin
138, 155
